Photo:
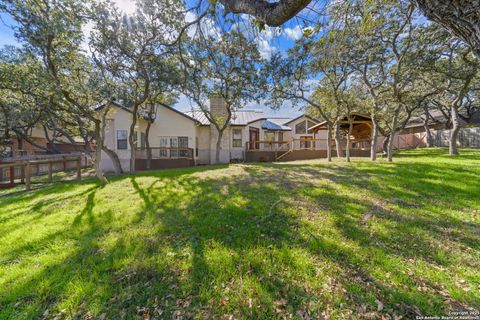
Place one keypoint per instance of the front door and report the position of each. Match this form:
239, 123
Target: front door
254, 138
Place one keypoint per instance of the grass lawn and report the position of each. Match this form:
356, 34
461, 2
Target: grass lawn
277, 240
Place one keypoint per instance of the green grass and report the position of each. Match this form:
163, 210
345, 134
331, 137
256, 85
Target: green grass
260, 241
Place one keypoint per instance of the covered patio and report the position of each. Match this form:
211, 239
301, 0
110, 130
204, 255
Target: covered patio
313, 147
361, 134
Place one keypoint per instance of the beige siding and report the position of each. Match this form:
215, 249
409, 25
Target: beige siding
172, 124
238, 153
167, 124
294, 135
117, 119
203, 136
225, 145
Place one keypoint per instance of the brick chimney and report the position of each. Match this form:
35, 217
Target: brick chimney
218, 111
218, 108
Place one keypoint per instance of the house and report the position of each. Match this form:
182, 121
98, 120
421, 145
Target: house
18, 146
438, 120
439, 124
180, 139
38, 143
249, 132
172, 137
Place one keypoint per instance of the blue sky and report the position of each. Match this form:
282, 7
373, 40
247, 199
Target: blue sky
6, 33
269, 41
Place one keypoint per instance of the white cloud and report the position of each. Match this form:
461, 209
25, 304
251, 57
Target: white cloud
294, 33
266, 50
86, 29
126, 6
268, 33
206, 24
264, 39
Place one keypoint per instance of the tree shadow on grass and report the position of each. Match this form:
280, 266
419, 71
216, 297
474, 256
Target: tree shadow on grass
259, 242
465, 153
279, 185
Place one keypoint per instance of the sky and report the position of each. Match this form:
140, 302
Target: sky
270, 41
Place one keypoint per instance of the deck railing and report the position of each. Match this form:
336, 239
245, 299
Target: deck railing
303, 144
267, 145
165, 153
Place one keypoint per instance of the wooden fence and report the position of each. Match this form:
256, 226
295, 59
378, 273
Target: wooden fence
467, 138
25, 167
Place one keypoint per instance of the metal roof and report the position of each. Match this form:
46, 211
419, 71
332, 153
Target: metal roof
142, 114
239, 118
302, 115
270, 125
435, 117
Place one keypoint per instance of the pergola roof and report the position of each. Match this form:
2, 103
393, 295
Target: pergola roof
361, 126
357, 118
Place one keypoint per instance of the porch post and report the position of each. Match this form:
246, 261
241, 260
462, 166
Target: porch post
79, 168
12, 175
50, 170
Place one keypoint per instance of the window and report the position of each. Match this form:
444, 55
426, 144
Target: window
183, 143
163, 153
269, 136
280, 136
301, 128
169, 147
122, 142
237, 138
173, 144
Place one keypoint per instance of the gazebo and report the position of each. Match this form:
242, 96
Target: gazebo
361, 129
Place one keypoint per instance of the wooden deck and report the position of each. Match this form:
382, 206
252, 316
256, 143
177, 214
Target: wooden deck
300, 149
164, 158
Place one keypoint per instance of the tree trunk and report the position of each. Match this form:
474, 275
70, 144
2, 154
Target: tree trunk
452, 145
28, 140
147, 146
385, 144
218, 146
392, 137
337, 140
98, 154
273, 14
373, 143
329, 143
132, 138
117, 166
429, 139
459, 17
347, 150
51, 147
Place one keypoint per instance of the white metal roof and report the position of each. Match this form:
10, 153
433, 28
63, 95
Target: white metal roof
268, 124
240, 117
